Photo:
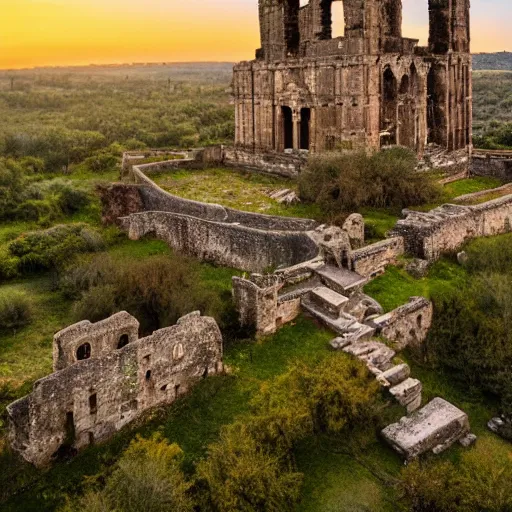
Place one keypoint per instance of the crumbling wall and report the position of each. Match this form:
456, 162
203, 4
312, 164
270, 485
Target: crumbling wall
86, 340
428, 235
373, 259
231, 245
92, 399
407, 325
492, 164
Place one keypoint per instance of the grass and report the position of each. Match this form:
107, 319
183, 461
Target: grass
469, 186
241, 190
396, 285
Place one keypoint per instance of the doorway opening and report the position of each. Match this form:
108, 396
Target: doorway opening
287, 127
305, 118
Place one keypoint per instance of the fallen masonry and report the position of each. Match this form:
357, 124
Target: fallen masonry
106, 378
435, 427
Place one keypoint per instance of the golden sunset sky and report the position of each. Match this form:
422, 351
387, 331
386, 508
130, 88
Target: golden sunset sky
76, 32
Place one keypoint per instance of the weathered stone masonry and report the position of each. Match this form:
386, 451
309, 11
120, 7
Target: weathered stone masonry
90, 399
307, 90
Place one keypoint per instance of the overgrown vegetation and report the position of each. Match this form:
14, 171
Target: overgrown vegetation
157, 291
471, 335
348, 182
252, 465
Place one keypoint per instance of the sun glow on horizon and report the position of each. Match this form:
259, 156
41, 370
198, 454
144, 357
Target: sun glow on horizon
80, 32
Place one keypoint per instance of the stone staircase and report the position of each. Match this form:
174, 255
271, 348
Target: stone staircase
334, 298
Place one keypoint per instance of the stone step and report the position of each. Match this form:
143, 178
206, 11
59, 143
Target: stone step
328, 300
375, 354
395, 375
346, 326
341, 280
408, 393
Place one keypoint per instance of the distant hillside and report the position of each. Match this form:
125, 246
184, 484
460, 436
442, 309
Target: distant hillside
501, 61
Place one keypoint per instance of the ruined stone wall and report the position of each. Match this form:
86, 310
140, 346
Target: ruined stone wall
85, 340
495, 164
155, 198
92, 399
224, 244
445, 229
407, 325
281, 164
373, 259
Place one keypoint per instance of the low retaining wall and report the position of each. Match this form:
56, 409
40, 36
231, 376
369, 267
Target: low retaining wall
155, 198
445, 229
231, 245
496, 164
373, 259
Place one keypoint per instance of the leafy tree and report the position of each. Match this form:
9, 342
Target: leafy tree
241, 475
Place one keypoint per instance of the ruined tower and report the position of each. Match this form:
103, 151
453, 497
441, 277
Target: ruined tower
369, 88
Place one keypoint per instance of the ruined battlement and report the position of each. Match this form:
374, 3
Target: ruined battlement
91, 399
85, 340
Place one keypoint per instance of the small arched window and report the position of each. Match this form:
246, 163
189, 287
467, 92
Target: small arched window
83, 352
123, 341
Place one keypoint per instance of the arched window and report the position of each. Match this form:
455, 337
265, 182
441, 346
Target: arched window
83, 352
123, 341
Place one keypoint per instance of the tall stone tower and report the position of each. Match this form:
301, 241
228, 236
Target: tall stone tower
308, 90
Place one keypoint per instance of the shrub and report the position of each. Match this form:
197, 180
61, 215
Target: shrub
347, 182
72, 200
102, 162
479, 482
240, 475
157, 291
16, 310
147, 477
51, 248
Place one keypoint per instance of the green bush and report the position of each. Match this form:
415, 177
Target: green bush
241, 475
470, 336
349, 181
51, 248
72, 200
16, 310
479, 482
147, 477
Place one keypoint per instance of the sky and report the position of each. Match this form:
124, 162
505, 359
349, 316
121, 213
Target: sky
80, 32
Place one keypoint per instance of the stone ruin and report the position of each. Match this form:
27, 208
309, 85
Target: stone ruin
308, 90
105, 377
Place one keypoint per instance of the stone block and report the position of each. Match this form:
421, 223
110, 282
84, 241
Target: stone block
436, 426
408, 393
330, 301
395, 375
